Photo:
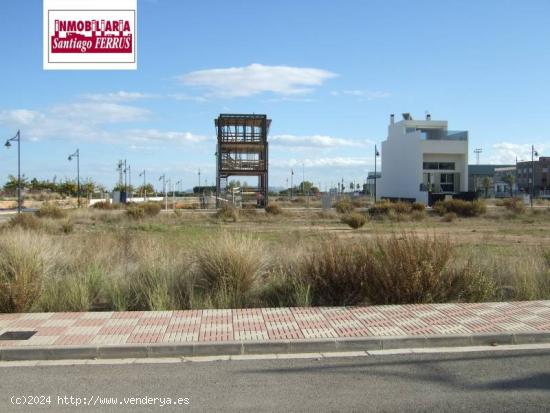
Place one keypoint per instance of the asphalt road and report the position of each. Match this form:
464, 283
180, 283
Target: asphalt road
506, 381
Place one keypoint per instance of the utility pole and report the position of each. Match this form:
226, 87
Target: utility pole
376, 155
291, 181
17, 138
199, 180
163, 179
533, 154
77, 155
144, 183
130, 180
125, 179
478, 151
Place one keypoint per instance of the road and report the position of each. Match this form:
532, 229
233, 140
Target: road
505, 381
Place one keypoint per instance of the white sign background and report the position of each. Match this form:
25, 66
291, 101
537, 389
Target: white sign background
89, 10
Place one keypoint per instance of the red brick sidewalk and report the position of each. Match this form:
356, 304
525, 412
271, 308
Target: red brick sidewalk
273, 324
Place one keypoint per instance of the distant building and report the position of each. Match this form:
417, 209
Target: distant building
540, 177
478, 173
423, 157
369, 186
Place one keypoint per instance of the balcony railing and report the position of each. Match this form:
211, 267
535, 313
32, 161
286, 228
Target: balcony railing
444, 135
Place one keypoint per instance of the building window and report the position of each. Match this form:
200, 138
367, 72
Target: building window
447, 165
439, 165
447, 183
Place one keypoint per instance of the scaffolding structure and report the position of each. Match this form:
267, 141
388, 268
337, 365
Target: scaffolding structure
242, 150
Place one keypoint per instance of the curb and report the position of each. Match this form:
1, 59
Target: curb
265, 347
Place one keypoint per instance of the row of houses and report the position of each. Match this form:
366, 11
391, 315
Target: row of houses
422, 161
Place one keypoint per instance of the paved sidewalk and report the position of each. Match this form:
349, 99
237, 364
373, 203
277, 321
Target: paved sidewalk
331, 325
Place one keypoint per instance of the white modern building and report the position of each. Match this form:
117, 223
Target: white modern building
420, 157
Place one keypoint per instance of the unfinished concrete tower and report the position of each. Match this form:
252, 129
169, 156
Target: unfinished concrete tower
242, 152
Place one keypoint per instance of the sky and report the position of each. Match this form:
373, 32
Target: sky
328, 74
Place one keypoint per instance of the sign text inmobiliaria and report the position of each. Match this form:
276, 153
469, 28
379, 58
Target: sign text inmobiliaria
90, 34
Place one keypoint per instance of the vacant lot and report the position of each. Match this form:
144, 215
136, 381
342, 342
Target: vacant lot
78, 260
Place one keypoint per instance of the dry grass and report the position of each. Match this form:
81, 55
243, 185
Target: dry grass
24, 262
50, 210
460, 207
230, 268
334, 272
344, 205
103, 260
407, 268
355, 220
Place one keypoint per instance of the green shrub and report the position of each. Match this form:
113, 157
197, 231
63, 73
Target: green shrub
273, 209
335, 273
354, 220
449, 217
229, 268
417, 206
26, 221
76, 290
103, 205
135, 212
407, 268
401, 207
48, 210
284, 289
515, 205
150, 209
460, 207
344, 205
25, 259
227, 212
380, 208
67, 226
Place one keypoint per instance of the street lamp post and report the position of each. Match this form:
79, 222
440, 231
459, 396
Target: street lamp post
17, 138
199, 180
291, 181
168, 185
163, 179
533, 154
77, 156
376, 155
144, 183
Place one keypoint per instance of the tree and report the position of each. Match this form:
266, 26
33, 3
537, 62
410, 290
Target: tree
510, 180
128, 188
305, 186
11, 185
146, 189
486, 184
233, 184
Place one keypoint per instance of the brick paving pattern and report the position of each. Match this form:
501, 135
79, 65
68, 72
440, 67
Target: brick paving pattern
261, 324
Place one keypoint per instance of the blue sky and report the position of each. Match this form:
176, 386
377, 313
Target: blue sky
328, 73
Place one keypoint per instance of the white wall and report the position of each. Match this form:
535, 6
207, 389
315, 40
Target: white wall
403, 155
401, 168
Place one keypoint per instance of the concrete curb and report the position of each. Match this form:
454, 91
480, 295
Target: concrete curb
265, 347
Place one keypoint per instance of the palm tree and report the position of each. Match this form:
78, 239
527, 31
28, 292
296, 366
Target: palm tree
486, 184
510, 180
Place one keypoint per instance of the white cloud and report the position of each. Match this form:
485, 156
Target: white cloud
20, 117
506, 152
88, 121
363, 94
100, 112
120, 96
313, 141
155, 135
339, 161
256, 78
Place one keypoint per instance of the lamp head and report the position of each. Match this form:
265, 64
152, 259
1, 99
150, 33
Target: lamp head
8, 144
